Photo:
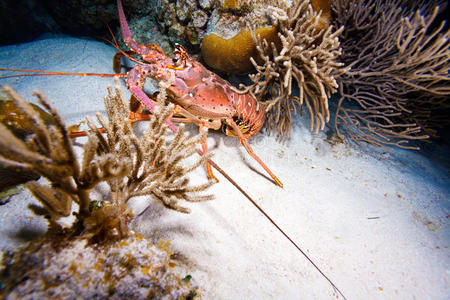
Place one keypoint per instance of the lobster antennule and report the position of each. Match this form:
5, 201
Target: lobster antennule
116, 45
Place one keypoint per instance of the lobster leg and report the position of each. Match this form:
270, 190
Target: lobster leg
116, 60
138, 116
135, 83
249, 149
205, 150
181, 115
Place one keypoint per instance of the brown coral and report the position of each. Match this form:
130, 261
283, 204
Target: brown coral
397, 89
131, 166
308, 57
16, 121
323, 6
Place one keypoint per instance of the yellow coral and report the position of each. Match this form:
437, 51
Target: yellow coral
325, 7
233, 55
230, 4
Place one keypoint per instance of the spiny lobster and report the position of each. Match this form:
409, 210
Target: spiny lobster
200, 97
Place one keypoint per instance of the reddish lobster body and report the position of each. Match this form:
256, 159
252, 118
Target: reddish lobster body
202, 96
193, 87
214, 98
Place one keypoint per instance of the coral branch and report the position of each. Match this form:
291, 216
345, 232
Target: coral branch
398, 86
131, 165
307, 56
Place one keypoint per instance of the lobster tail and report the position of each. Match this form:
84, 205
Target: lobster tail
249, 114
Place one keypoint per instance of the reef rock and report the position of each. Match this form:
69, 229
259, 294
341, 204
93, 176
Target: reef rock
133, 268
184, 21
217, 29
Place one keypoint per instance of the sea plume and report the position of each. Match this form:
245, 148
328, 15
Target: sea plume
398, 86
149, 165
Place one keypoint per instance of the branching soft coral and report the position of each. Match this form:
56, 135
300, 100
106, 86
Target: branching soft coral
49, 152
132, 166
155, 167
398, 86
308, 57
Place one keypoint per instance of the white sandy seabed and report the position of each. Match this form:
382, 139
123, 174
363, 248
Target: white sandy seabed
375, 222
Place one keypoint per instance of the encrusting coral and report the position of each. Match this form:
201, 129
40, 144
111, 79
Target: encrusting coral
133, 268
308, 56
132, 166
398, 87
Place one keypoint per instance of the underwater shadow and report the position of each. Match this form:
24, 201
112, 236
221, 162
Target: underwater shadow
26, 234
151, 225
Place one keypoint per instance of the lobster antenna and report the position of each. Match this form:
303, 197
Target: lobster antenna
52, 73
215, 166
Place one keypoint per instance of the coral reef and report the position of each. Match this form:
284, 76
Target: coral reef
308, 57
168, 21
228, 44
217, 28
133, 268
184, 21
145, 30
130, 165
398, 86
